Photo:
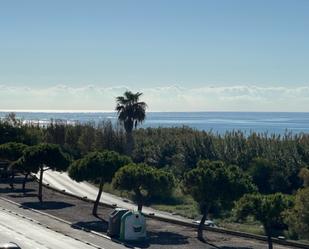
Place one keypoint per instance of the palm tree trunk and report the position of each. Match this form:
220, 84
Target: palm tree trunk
96, 203
201, 226
129, 143
41, 184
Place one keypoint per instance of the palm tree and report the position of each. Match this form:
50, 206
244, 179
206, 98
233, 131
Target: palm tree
131, 112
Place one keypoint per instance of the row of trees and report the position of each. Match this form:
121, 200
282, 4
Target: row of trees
179, 149
102, 167
212, 184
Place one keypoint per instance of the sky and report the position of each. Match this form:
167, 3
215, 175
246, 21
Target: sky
184, 55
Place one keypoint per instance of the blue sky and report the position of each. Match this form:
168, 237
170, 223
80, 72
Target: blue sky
256, 51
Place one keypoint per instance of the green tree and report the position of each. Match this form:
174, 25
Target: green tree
214, 183
87, 138
42, 157
304, 175
261, 171
268, 209
131, 112
144, 181
11, 152
97, 166
298, 216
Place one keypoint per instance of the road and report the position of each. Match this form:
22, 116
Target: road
30, 234
63, 182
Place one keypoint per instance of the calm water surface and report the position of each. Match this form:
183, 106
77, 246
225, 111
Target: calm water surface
216, 121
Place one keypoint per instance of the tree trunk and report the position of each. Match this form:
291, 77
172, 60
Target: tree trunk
96, 203
139, 199
41, 184
269, 240
129, 143
201, 226
25, 181
139, 206
12, 179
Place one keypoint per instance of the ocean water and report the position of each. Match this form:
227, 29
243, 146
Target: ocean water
271, 122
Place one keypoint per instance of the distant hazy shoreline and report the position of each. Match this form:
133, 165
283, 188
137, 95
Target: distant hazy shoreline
271, 122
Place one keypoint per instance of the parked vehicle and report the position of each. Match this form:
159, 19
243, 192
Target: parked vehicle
9, 245
208, 223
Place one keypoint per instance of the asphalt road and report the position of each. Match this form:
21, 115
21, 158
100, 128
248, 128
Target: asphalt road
63, 182
31, 234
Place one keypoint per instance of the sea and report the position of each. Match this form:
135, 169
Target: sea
216, 122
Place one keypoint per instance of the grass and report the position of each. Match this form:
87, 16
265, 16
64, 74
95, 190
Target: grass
184, 205
176, 204
248, 227
186, 210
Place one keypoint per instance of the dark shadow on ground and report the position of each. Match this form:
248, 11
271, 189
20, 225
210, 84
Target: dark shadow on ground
233, 247
141, 244
166, 238
17, 180
224, 247
52, 205
22, 194
161, 238
210, 243
15, 190
96, 225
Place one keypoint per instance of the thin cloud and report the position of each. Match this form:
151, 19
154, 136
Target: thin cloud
167, 98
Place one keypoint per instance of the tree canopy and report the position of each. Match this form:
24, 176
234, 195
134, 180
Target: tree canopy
39, 158
268, 209
144, 181
99, 166
214, 183
131, 112
12, 151
298, 217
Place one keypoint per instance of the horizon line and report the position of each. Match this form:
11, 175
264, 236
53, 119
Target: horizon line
113, 111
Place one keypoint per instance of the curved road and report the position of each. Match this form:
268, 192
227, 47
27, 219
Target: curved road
63, 182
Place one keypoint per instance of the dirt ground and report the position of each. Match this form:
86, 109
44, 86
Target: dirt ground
161, 235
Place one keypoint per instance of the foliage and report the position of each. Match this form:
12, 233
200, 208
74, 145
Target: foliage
268, 209
267, 176
39, 158
280, 158
213, 184
145, 181
179, 150
298, 217
45, 155
97, 166
130, 110
12, 151
304, 175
